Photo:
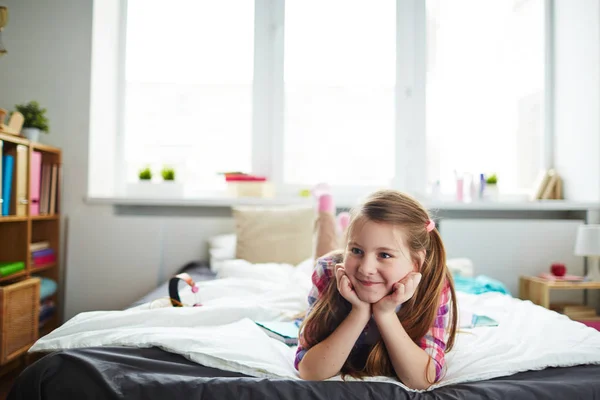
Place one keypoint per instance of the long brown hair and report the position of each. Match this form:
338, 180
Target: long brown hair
417, 314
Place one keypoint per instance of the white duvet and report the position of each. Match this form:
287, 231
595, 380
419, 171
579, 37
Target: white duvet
222, 333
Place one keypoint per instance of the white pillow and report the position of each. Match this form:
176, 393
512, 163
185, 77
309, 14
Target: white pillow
460, 266
225, 241
221, 248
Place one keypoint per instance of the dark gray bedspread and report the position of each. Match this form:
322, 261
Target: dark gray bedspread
153, 374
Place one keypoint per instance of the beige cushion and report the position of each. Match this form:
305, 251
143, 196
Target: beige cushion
274, 234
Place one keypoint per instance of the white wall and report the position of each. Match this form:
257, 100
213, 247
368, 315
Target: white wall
507, 249
113, 259
577, 97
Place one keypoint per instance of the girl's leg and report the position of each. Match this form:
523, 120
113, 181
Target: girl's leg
325, 235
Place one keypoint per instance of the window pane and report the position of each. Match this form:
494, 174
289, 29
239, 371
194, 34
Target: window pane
485, 90
339, 73
189, 72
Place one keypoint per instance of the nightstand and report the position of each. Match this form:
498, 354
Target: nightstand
537, 290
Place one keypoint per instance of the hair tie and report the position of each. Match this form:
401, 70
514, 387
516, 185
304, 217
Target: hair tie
430, 226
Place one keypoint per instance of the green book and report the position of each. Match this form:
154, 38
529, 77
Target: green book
9, 268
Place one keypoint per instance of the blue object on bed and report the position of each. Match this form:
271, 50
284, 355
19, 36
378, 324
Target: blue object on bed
478, 285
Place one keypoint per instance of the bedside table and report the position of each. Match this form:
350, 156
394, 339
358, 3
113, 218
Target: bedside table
538, 289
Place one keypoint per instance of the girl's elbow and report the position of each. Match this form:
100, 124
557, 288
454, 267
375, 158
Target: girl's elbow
310, 374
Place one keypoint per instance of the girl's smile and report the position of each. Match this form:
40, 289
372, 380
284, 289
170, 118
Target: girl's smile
376, 258
368, 283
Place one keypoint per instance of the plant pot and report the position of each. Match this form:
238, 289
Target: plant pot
32, 134
491, 192
149, 189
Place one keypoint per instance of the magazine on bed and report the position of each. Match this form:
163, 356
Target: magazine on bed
286, 331
470, 320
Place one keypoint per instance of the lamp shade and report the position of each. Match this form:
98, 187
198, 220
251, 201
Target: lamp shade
588, 240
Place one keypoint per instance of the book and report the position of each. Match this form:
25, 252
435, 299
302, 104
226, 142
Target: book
8, 163
42, 253
35, 171
286, 331
565, 278
471, 320
20, 177
39, 246
574, 311
44, 260
9, 268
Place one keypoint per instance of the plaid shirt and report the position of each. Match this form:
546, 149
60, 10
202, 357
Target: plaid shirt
434, 341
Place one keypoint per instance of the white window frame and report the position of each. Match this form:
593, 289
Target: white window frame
268, 99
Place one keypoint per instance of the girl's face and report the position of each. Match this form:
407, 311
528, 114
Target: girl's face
377, 257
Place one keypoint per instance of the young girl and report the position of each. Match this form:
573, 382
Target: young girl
383, 305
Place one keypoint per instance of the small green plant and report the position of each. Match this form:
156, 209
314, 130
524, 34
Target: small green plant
145, 174
492, 180
35, 117
168, 174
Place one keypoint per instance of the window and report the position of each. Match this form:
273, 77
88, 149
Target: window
188, 86
485, 90
356, 93
339, 88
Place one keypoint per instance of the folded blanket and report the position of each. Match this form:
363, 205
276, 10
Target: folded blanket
478, 285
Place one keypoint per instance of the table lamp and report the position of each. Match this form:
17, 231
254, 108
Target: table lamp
588, 245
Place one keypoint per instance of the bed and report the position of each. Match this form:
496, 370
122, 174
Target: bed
107, 366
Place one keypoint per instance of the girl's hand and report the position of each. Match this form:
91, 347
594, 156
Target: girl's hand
347, 291
402, 291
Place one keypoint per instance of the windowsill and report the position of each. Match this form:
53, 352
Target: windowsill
208, 201
224, 201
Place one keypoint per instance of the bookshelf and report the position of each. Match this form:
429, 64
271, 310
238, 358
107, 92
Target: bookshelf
20, 228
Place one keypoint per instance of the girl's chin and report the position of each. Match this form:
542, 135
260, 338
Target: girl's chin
370, 298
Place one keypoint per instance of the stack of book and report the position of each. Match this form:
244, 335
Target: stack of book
44, 182
42, 254
575, 311
47, 309
47, 304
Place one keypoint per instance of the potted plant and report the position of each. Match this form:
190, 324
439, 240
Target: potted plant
491, 187
146, 187
168, 174
145, 174
35, 120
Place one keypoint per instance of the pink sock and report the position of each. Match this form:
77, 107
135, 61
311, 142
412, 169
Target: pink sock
343, 220
325, 203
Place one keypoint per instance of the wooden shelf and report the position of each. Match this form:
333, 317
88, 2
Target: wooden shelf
13, 276
42, 267
13, 139
45, 217
44, 147
16, 237
14, 218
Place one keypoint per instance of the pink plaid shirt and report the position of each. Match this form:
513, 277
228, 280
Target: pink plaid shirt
434, 341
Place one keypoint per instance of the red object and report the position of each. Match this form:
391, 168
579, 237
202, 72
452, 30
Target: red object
591, 324
244, 178
558, 269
